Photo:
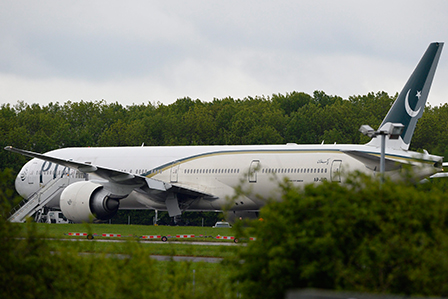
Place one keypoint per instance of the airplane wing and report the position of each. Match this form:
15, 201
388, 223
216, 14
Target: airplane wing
114, 176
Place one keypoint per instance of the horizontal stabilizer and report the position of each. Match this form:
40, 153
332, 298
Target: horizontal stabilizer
439, 175
372, 160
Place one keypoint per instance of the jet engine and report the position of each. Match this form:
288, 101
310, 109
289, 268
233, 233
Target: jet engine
86, 201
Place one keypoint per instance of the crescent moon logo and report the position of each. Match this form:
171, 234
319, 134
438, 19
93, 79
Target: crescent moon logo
408, 108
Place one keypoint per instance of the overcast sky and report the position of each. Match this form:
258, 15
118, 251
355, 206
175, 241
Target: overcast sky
135, 52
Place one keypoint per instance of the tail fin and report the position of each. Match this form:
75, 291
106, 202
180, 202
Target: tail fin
411, 101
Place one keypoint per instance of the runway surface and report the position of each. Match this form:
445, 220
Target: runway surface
155, 242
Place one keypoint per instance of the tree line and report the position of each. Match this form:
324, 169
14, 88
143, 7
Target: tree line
294, 117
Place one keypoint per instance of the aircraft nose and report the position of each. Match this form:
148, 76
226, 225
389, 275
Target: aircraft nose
22, 181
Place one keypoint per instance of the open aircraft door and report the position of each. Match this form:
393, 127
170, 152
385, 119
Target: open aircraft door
335, 171
254, 167
174, 173
30, 177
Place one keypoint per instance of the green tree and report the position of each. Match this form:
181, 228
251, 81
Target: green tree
291, 102
356, 236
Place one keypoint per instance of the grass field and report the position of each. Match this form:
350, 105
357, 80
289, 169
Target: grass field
58, 233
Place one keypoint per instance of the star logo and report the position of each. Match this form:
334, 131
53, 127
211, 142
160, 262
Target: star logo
410, 112
419, 94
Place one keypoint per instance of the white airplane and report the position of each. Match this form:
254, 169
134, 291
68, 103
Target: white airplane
90, 183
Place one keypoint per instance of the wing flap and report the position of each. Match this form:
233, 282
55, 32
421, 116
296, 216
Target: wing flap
191, 191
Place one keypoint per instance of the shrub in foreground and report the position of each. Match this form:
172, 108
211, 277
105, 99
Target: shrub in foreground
359, 236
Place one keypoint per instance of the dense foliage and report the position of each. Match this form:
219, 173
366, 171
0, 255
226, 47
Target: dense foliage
294, 117
358, 236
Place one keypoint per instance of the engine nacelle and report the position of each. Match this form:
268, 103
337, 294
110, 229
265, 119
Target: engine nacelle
86, 201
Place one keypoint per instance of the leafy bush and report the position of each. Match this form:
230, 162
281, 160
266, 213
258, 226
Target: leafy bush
358, 236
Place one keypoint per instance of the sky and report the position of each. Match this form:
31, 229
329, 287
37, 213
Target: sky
139, 52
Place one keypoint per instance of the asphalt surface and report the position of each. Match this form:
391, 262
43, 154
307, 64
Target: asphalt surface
155, 242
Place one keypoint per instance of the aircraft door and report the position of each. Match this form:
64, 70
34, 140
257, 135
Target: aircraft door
335, 171
32, 175
174, 173
254, 167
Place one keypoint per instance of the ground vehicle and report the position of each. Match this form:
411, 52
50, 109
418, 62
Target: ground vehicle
56, 217
221, 224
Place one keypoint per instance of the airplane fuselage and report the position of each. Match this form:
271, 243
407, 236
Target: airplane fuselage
217, 170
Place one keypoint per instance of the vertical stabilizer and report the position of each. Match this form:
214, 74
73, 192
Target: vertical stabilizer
411, 101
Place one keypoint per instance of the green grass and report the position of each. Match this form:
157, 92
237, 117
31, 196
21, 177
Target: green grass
170, 249
58, 233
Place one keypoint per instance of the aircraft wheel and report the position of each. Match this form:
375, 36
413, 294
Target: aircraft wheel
90, 237
164, 239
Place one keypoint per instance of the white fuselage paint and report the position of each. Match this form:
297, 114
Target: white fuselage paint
216, 170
